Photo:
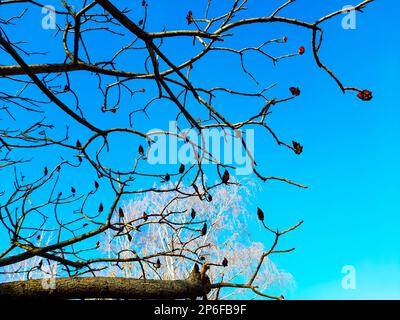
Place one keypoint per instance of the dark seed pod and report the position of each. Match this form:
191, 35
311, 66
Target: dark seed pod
203, 230
141, 150
225, 177
260, 214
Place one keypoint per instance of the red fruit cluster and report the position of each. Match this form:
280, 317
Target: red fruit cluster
365, 95
189, 17
297, 147
295, 91
302, 50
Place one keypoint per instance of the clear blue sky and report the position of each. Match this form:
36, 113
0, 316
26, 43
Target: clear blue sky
351, 155
350, 161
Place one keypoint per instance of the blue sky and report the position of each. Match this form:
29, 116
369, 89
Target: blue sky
351, 155
350, 162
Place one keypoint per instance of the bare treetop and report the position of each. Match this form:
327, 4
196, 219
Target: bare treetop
83, 122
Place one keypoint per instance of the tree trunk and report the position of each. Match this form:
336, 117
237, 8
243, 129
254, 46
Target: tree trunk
107, 287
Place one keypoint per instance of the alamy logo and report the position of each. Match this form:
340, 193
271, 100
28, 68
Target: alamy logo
349, 21
349, 280
231, 147
49, 20
49, 278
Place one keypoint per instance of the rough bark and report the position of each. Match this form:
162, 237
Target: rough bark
108, 288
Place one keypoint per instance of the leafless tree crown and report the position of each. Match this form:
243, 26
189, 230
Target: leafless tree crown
66, 178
